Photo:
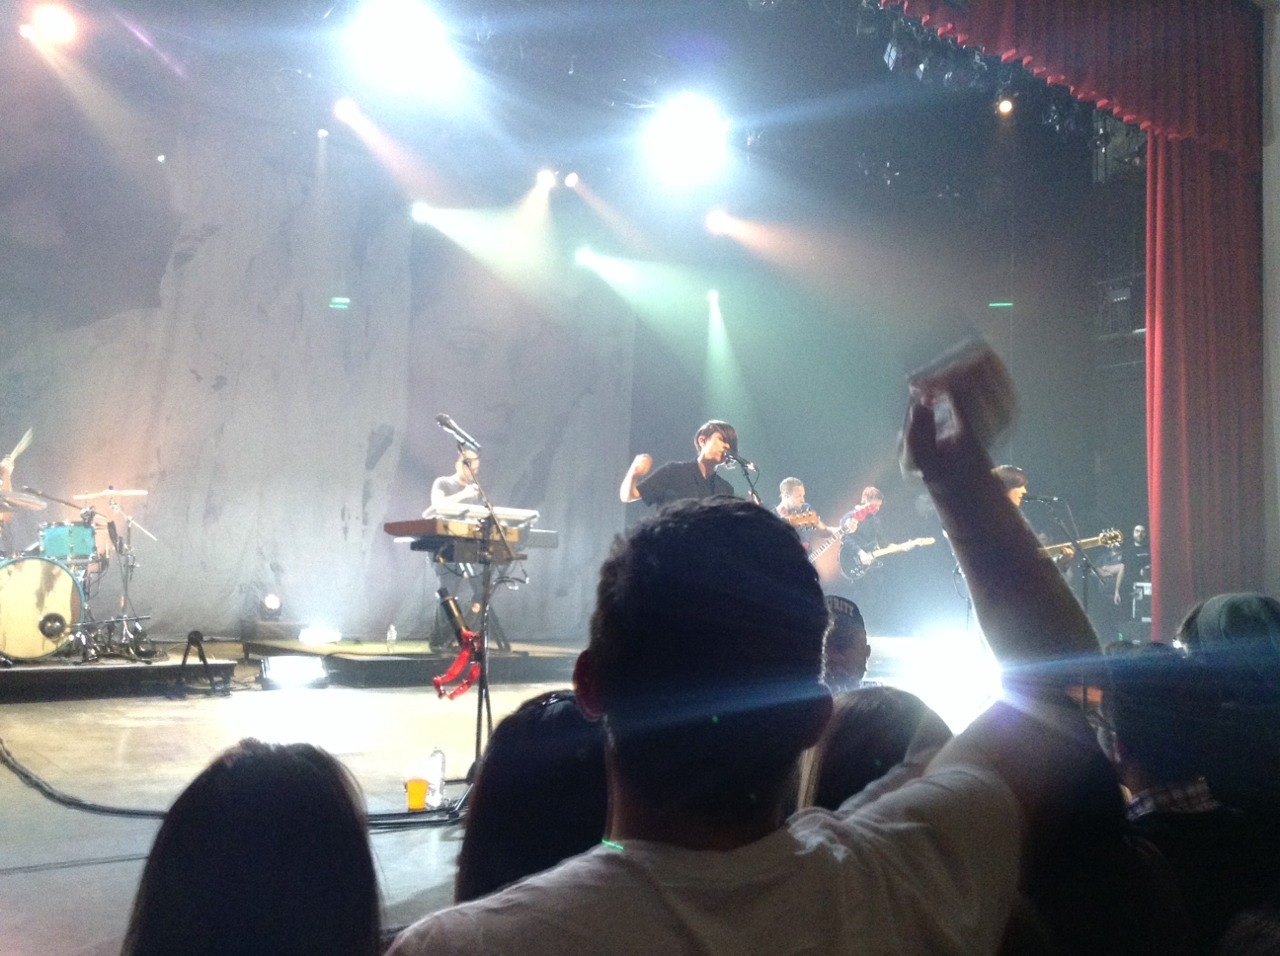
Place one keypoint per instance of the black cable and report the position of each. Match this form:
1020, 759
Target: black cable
447, 815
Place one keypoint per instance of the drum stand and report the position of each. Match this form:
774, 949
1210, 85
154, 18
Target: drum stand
98, 638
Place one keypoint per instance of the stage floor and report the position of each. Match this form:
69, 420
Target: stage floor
67, 876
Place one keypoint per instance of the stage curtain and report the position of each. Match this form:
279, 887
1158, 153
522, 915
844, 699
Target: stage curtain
1186, 71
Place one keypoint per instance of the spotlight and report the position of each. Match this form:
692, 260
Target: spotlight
292, 671
161, 158
717, 222
585, 257
1004, 105
420, 212
322, 133
571, 181
404, 46
271, 607
319, 634
546, 179
51, 24
346, 110
688, 139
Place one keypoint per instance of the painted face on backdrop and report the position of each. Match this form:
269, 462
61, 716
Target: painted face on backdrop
487, 356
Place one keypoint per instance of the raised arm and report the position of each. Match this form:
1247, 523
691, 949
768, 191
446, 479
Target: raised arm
1037, 741
641, 465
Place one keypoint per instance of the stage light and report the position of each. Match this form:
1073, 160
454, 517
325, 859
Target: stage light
346, 110
687, 141
585, 257
546, 179
1005, 105
51, 24
717, 222
292, 671
270, 608
161, 158
571, 181
420, 212
322, 133
319, 634
402, 45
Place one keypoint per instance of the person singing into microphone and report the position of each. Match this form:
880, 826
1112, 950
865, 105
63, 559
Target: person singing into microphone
716, 442
1016, 485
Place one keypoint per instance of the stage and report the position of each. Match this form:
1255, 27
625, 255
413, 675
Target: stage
68, 875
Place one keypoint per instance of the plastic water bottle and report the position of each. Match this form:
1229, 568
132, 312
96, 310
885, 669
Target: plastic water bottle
435, 779
391, 638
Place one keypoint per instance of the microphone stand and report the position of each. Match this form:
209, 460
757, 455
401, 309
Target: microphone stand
490, 530
1085, 563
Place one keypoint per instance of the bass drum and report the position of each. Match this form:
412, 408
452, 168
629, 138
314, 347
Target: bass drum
40, 602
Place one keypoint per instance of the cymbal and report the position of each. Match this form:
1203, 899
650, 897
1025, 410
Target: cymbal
110, 493
12, 500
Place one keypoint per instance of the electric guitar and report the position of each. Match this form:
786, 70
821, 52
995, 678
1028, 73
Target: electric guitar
856, 569
1107, 539
848, 526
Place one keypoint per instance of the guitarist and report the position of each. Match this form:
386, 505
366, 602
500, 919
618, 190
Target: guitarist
1016, 484
867, 537
797, 512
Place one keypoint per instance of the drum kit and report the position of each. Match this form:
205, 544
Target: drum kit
45, 588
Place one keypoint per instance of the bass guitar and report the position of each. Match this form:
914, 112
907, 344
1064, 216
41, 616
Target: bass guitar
854, 567
848, 526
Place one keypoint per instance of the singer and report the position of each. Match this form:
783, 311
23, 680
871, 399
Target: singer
715, 442
797, 512
1016, 485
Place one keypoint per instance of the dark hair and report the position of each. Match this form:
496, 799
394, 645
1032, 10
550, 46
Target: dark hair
539, 796
266, 851
710, 428
1163, 708
869, 734
707, 636
1011, 476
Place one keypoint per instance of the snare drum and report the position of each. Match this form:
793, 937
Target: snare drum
40, 602
72, 543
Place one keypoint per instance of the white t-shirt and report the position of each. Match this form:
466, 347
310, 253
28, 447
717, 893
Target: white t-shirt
930, 868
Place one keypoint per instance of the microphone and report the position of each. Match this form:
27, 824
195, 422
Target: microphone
746, 465
449, 425
1043, 499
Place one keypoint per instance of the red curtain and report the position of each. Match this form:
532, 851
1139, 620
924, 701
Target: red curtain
1186, 71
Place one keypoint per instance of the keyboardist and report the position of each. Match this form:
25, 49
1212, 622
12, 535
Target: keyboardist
460, 487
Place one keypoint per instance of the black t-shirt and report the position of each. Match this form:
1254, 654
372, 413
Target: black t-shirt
677, 480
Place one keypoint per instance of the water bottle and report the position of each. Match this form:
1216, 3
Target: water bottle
435, 779
391, 638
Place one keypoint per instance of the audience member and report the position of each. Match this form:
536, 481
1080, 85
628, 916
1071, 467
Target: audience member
1236, 637
539, 796
872, 730
266, 852
705, 666
845, 651
1160, 715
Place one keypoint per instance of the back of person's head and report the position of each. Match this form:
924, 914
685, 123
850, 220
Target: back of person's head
539, 796
706, 644
870, 733
1254, 932
846, 650
1238, 635
715, 426
1162, 710
266, 851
